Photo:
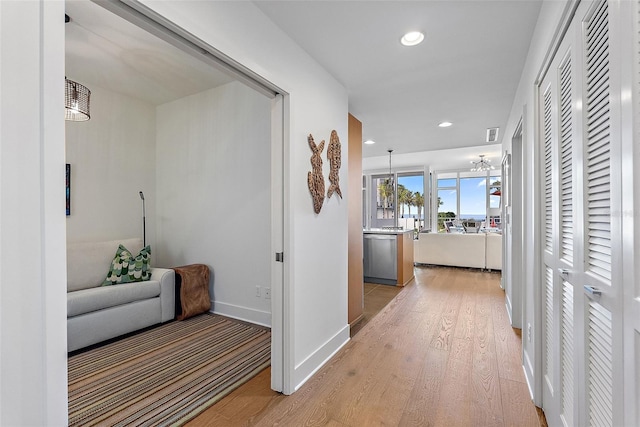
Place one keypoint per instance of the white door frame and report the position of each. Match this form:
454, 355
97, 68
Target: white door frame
630, 113
281, 355
512, 244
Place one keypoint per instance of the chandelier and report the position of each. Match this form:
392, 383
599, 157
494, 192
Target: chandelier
481, 165
76, 101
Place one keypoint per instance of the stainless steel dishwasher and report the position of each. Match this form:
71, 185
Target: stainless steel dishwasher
381, 258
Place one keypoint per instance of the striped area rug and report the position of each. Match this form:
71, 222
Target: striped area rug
166, 375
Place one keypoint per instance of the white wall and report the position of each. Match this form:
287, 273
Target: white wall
315, 245
213, 199
33, 348
112, 158
548, 20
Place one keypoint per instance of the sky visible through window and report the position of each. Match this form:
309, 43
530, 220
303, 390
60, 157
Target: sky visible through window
473, 193
412, 183
473, 202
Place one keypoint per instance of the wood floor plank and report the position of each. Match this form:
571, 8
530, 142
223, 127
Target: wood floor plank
425, 397
390, 374
376, 298
249, 401
466, 314
381, 394
518, 409
486, 401
508, 344
443, 336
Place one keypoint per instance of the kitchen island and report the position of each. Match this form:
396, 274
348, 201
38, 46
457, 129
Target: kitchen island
388, 256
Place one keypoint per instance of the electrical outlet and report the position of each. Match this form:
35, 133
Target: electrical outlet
257, 291
529, 332
267, 293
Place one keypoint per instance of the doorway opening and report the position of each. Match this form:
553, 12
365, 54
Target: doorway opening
201, 136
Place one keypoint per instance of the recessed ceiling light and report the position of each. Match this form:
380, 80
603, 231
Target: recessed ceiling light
369, 142
412, 38
445, 124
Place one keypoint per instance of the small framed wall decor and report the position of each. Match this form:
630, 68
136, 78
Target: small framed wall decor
67, 176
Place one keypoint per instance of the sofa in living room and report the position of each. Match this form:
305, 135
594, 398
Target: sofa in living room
97, 312
474, 250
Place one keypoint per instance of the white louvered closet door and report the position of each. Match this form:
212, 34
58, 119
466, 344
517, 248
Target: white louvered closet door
601, 196
582, 277
558, 123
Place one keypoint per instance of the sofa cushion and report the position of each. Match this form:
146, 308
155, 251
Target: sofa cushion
127, 268
88, 262
88, 300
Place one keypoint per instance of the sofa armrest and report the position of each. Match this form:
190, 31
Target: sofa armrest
167, 279
494, 251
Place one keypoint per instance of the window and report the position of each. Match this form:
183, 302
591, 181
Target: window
473, 198
495, 193
411, 201
447, 198
397, 201
384, 197
468, 199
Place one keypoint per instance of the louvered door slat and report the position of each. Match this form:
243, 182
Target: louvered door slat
596, 23
599, 185
598, 129
566, 153
598, 122
599, 157
598, 60
548, 190
595, 152
567, 353
549, 323
600, 365
597, 63
599, 83
600, 205
600, 255
599, 218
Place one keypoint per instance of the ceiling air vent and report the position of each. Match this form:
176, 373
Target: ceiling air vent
492, 134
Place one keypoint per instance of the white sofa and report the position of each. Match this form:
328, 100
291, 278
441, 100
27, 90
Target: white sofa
494, 251
96, 313
459, 250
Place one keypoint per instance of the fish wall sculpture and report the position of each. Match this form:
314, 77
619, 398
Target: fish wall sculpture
315, 179
334, 155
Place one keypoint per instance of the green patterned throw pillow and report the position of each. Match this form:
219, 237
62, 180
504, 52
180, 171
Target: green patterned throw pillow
125, 268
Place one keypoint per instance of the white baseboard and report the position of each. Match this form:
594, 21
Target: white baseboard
528, 374
508, 306
247, 314
305, 369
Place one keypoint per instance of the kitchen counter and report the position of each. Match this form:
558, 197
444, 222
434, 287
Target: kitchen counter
388, 256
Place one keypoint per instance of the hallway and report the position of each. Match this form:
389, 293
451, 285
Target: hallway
441, 354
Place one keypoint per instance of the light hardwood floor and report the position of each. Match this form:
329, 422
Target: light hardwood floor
376, 297
441, 353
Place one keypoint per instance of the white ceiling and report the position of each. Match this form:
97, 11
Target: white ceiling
436, 160
104, 50
466, 71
